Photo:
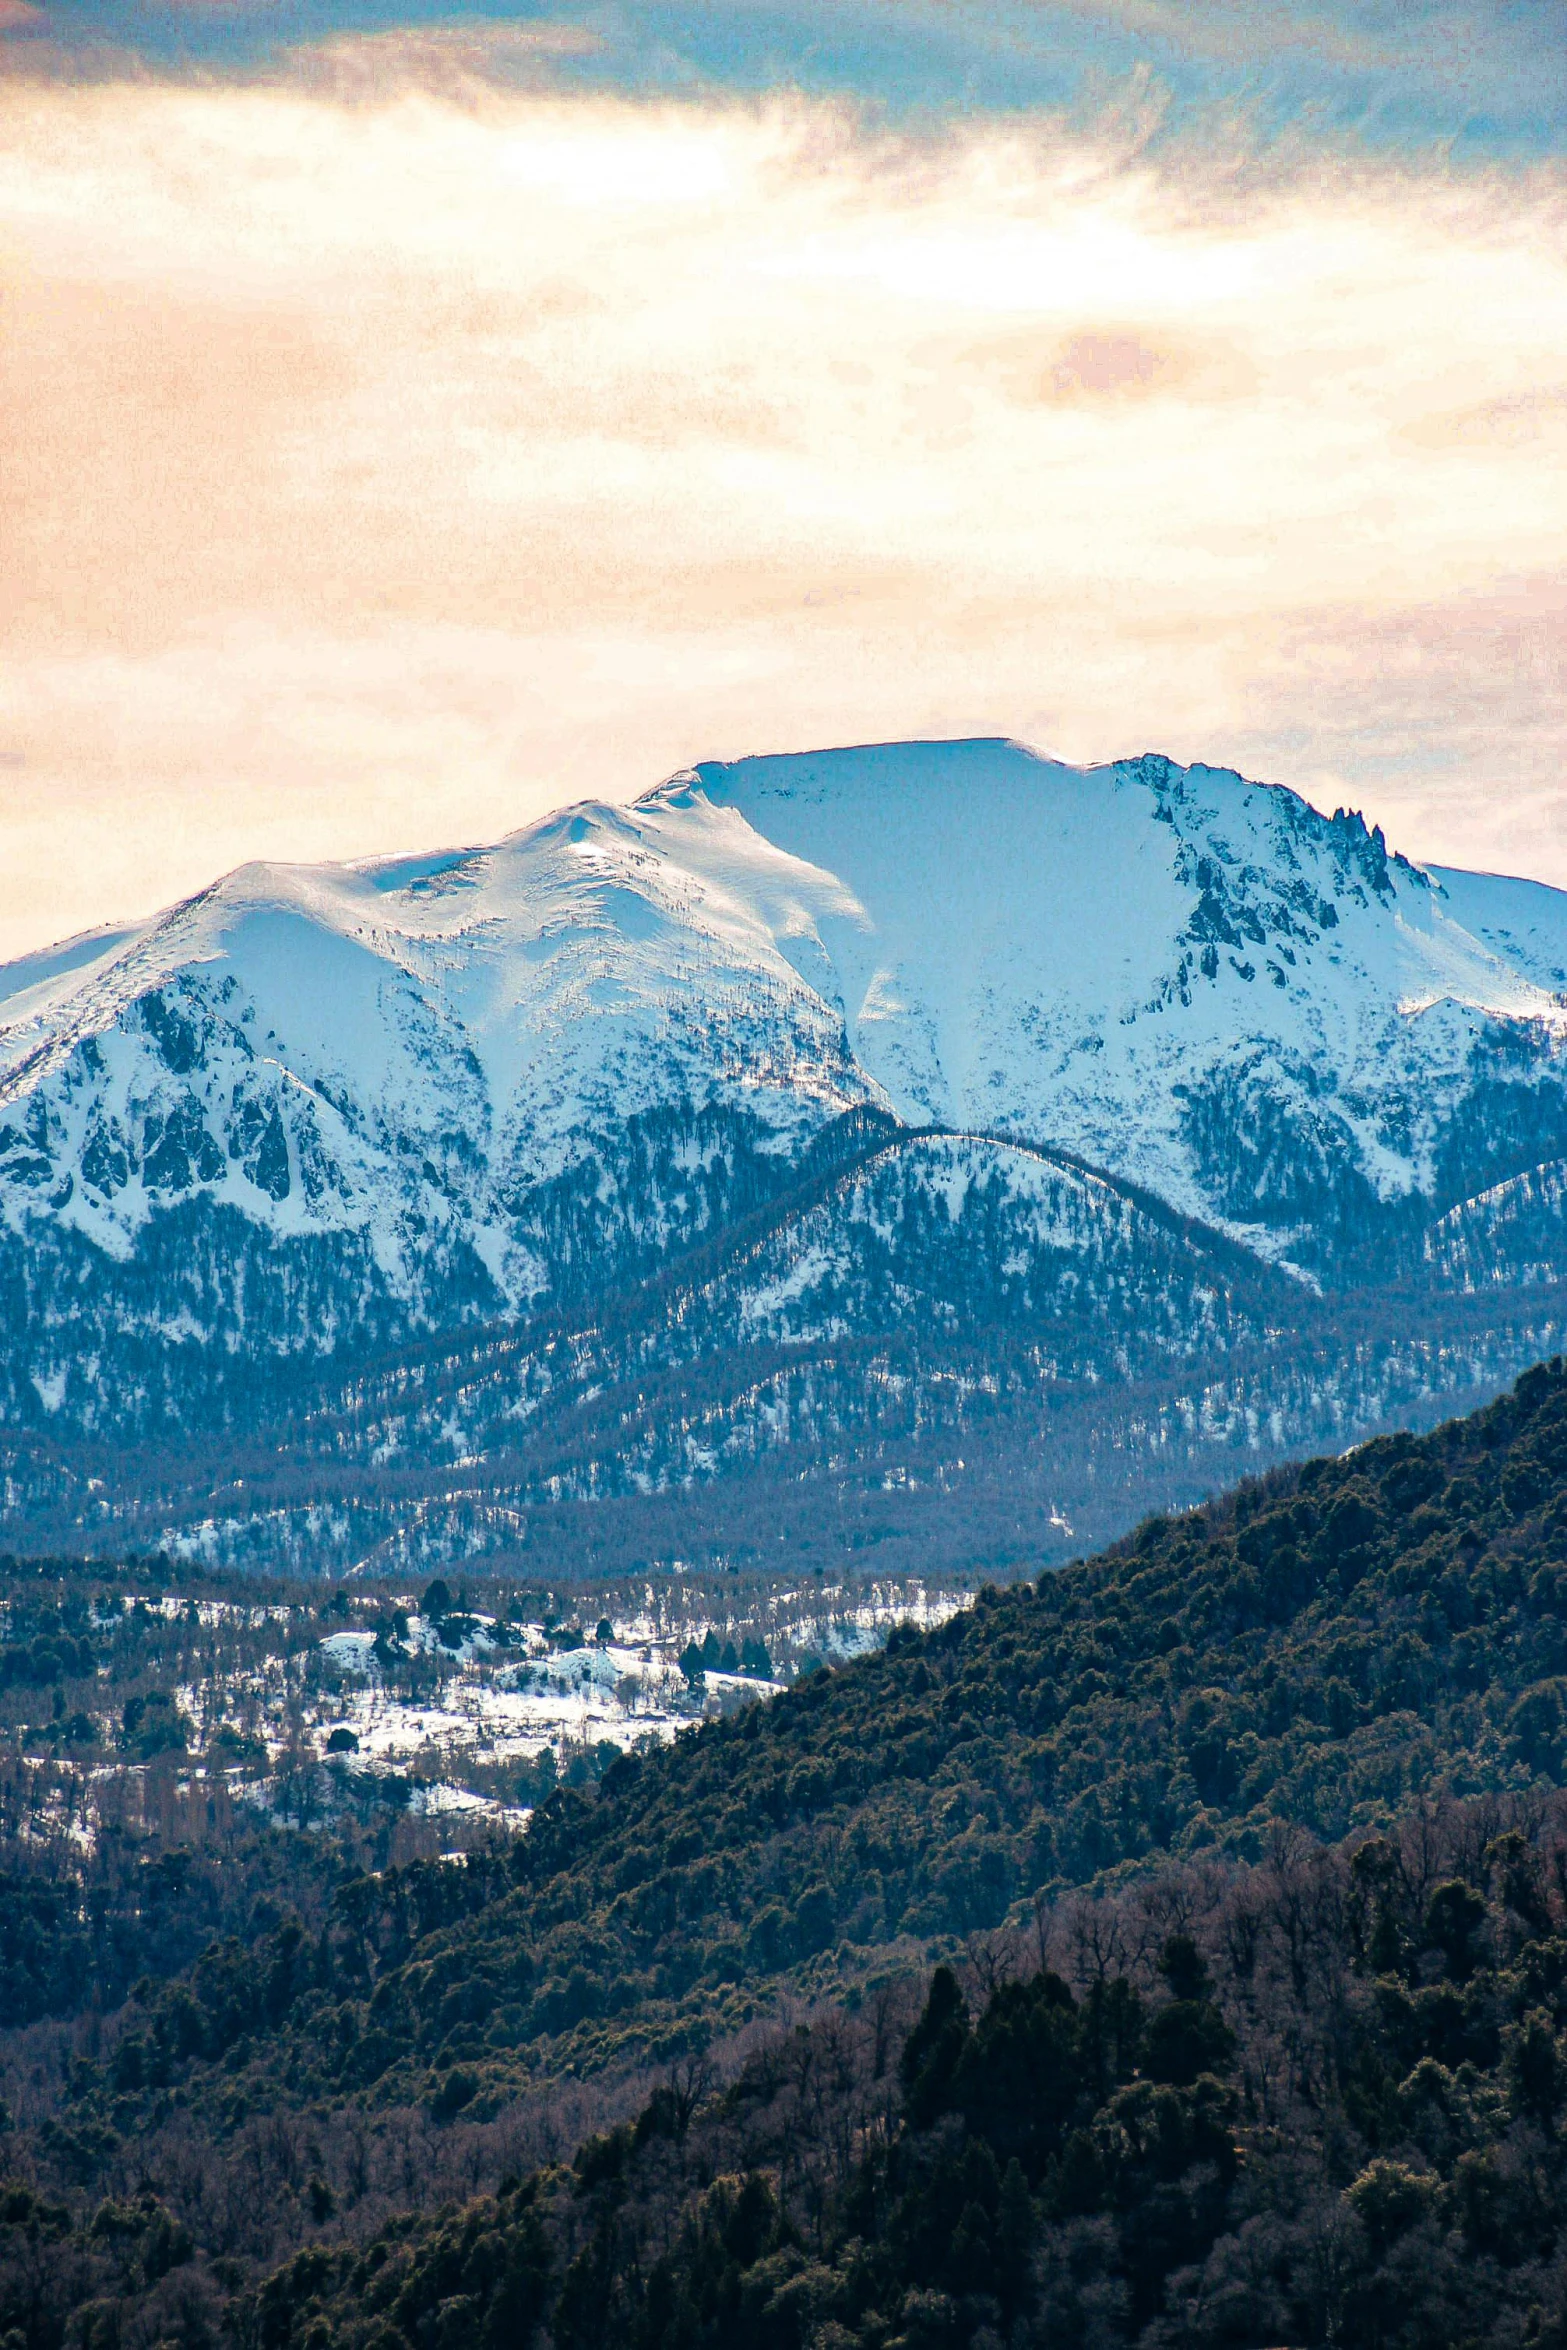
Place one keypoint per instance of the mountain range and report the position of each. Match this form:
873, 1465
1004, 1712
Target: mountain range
920, 1148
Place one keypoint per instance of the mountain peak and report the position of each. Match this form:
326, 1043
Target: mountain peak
328, 1107
1172, 972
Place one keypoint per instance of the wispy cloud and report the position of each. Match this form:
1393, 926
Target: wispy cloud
395, 446
1477, 76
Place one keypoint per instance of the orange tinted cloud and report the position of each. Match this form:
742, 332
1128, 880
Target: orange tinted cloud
395, 448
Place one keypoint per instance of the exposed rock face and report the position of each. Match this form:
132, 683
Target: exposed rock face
1063, 1088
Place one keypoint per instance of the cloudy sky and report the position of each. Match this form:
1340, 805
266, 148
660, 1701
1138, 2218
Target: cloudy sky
412, 419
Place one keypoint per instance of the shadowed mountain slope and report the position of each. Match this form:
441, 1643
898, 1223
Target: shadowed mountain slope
900, 1121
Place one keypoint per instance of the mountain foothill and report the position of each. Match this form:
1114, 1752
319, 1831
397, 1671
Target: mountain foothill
1169, 1949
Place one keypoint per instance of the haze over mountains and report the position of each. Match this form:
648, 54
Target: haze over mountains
925, 1144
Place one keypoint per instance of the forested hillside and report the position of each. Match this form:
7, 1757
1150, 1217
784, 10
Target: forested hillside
1291, 2072
1317, 2100
1322, 1649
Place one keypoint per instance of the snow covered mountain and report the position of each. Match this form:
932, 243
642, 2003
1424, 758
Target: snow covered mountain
317, 1113
1197, 983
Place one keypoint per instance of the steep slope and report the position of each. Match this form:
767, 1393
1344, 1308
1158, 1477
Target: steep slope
942, 1351
403, 1053
1194, 982
961, 933
300, 1124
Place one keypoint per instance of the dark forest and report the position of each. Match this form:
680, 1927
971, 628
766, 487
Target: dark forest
1170, 1951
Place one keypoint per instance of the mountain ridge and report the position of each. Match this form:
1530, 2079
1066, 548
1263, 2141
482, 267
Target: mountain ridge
317, 1115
